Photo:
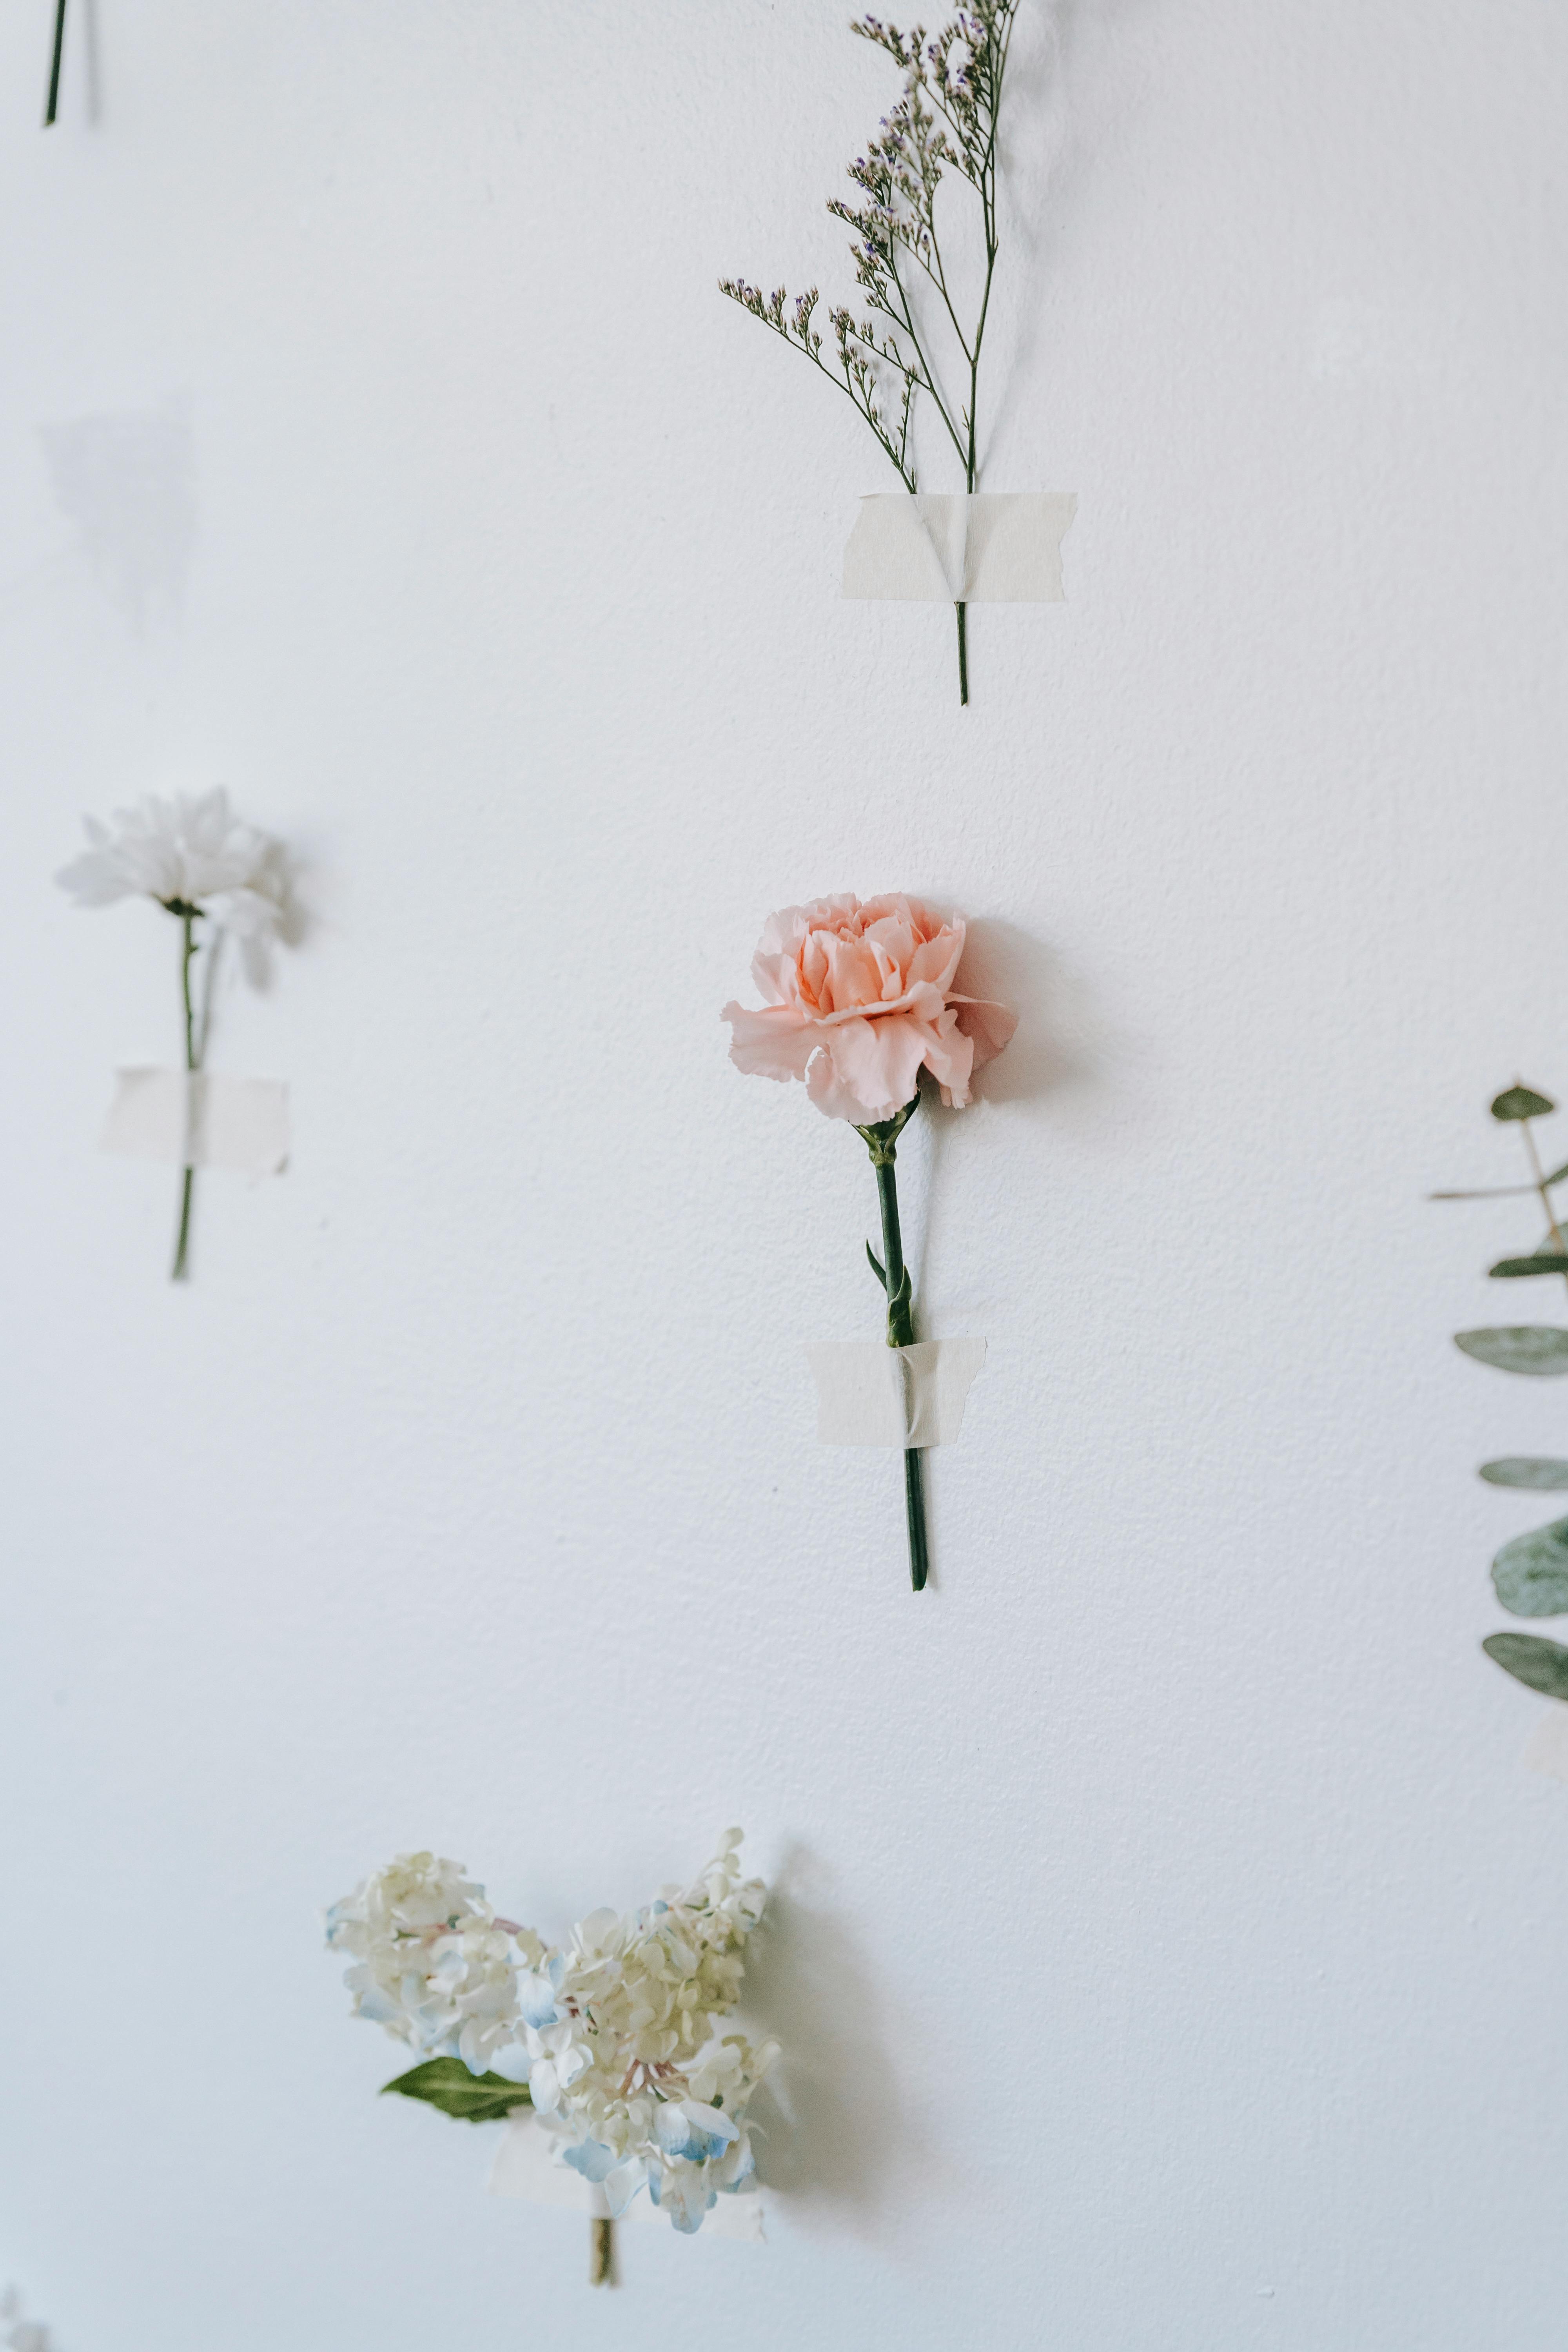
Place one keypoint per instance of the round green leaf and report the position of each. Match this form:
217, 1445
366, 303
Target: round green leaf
1543, 1262
1526, 1470
1539, 1347
1522, 1102
1531, 1572
1528, 1659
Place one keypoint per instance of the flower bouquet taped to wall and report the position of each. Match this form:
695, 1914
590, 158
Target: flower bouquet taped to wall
615, 2038
859, 999
926, 284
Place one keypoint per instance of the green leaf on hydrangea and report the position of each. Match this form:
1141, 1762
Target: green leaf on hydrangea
1538, 1347
1531, 1572
447, 2084
1533, 1470
1522, 1102
1530, 1659
1543, 1262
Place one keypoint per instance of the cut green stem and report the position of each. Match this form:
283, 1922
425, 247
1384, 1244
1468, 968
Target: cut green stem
187, 915
54, 97
881, 1141
963, 612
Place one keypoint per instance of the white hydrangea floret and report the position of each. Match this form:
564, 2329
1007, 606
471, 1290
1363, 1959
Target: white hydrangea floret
432, 1963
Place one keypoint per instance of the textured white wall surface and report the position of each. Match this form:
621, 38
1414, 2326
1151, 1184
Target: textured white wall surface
1169, 1941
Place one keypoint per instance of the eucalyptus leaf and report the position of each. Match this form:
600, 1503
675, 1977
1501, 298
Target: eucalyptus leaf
1530, 1659
1531, 1573
447, 2084
1538, 1347
1550, 1261
1522, 1102
1532, 1470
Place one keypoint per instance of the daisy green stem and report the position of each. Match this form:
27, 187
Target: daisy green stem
54, 100
882, 1141
187, 915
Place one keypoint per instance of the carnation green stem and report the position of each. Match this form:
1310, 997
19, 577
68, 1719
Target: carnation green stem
882, 1141
54, 99
188, 949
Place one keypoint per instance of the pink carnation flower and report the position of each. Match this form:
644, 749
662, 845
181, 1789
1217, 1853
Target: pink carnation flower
860, 997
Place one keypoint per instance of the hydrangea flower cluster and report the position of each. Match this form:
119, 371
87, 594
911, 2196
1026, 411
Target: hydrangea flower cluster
432, 1963
618, 2030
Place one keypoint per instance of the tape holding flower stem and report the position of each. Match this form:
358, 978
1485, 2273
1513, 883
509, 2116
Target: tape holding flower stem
882, 1141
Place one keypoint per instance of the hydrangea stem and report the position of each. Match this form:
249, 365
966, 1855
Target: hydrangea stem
50, 109
601, 2252
881, 1141
188, 949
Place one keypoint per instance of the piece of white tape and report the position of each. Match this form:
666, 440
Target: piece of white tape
870, 1395
995, 547
1548, 1746
527, 2167
207, 1119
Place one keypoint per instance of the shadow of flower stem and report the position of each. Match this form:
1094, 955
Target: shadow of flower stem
882, 1141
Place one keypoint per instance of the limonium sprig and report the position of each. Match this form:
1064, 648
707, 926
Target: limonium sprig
916, 335
195, 858
1530, 1574
859, 999
615, 2037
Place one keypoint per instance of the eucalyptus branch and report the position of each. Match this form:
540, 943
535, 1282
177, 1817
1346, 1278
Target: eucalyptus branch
944, 118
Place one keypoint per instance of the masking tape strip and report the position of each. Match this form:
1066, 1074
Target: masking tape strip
205, 1120
871, 1394
527, 2168
995, 547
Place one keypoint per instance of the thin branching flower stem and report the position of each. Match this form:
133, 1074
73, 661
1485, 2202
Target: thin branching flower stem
188, 918
946, 116
52, 108
882, 1141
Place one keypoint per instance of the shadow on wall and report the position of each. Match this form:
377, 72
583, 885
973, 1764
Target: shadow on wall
128, 485
1052, 1047
836, 2127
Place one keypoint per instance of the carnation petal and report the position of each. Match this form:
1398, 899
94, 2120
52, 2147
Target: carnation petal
990, 1026
775, 1043
868, 1069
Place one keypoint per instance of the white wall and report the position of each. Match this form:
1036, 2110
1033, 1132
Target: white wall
1171, 1939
